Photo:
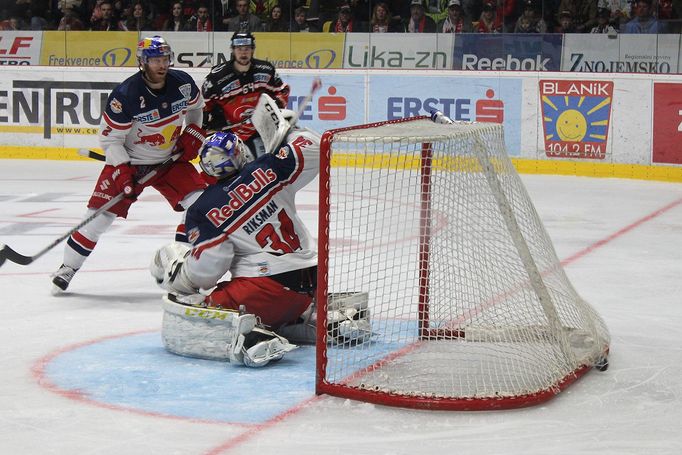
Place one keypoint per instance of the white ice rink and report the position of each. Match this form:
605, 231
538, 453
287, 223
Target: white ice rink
85, 373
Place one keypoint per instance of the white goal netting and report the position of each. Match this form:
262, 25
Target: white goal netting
469, 305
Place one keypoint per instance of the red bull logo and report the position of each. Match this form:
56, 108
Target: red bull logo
240, 195
163, 140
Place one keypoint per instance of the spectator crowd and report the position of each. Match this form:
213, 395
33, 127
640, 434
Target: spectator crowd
397, 16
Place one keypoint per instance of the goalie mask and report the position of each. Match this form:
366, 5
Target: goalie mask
223, 155
153, 47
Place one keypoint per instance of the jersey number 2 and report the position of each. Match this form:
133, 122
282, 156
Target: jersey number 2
285, 241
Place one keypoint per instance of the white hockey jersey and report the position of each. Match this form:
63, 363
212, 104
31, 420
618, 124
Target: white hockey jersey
249, 226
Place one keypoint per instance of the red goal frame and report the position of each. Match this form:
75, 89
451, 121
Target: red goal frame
341, 389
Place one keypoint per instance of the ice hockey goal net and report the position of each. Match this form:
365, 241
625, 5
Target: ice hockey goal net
469, 305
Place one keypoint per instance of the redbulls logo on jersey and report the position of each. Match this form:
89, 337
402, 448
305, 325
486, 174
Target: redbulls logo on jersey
240, 195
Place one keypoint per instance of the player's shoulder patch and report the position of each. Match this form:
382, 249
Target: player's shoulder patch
186, 91
115, 106
263, 65
217, 68
193, 235
283, 153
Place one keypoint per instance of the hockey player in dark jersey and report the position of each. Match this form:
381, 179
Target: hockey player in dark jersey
141, 127
232, 89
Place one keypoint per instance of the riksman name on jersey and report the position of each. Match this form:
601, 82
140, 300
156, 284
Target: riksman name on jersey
260, 218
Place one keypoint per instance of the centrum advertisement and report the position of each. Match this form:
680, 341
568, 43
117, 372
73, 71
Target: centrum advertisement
599, 53
89, 49
43, 107
575, 117
495, 100
498, 52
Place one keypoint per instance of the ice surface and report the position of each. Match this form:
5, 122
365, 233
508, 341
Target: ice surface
85, 372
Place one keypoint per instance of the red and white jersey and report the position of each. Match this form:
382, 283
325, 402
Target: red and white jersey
142, 125
249, 225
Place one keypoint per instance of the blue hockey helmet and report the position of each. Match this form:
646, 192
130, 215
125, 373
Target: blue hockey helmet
224, 154
151, 47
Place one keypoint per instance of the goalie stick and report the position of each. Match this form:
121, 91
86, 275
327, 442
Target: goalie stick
8, 253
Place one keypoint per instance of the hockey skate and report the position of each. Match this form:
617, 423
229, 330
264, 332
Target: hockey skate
62, 277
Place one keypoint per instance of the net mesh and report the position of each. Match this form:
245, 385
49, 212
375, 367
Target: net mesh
467, 297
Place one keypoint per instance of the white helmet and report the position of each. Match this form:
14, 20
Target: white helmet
224, 154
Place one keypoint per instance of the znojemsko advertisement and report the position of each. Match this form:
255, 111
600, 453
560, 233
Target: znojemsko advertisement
599, 53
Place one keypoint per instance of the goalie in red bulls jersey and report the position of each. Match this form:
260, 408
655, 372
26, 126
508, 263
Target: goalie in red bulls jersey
141, 127
246, 224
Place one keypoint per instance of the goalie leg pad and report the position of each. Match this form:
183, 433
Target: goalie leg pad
196, 331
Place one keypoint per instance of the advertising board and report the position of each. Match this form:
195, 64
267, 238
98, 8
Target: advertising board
20, 48
667, 123
89, 49
508, 52
407, 51
599, 53
479, 99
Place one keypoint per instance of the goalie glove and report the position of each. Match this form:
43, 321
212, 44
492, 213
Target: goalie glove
166, 268
189, 142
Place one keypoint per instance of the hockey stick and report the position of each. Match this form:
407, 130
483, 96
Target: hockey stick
317, 84
92, 154
7, 253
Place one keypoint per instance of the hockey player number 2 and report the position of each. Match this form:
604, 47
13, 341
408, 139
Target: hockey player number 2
286, 241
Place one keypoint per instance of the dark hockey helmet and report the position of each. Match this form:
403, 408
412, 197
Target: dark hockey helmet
223, 155
242, 39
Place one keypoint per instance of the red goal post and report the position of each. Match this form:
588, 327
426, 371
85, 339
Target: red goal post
469, 306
